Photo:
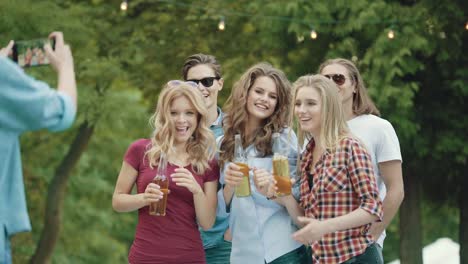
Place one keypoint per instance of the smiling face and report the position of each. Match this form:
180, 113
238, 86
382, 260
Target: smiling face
184, 119
262, 99
308, 110
210, 94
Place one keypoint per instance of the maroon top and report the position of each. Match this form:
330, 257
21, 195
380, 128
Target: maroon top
173, 238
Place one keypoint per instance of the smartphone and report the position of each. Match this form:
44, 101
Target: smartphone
30, 53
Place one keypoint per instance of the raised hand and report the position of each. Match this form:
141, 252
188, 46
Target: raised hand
61, 58
184, 178
4, 52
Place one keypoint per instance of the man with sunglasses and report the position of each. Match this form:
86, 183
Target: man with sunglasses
378, 134
205, 71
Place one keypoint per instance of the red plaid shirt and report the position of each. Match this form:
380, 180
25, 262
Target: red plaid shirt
340, 182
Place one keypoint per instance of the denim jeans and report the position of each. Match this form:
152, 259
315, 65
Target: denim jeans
220, 254
372, 255
297, 256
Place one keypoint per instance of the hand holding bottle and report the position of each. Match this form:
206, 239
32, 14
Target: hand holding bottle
152, 194
264, 182
233, 175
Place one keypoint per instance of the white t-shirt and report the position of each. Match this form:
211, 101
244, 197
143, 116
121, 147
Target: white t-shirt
381, 142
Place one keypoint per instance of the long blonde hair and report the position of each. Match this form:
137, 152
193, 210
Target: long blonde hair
236, 114
333, 125
200, 148
362, 103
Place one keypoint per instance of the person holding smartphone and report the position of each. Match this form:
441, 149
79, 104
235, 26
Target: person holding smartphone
27, 104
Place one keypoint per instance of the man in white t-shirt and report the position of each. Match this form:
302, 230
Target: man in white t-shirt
377, 134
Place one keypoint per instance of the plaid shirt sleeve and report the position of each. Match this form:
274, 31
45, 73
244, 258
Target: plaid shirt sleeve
363, 180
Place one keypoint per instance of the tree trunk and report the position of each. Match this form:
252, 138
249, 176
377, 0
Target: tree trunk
463, 230
410, 221
56, 193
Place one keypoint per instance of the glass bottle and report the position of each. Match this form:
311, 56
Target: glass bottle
159, 208
281, 166
243, 189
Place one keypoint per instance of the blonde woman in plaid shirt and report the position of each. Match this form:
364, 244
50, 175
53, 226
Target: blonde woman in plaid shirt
338, 189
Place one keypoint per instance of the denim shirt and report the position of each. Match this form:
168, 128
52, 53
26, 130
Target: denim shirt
25, 105
215, 235
262, 229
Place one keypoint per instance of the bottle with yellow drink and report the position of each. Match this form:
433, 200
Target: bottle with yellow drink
243, 189
281, 166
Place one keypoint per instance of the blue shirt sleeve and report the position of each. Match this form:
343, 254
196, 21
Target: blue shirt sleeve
29, 104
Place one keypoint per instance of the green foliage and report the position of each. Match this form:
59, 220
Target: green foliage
123, 59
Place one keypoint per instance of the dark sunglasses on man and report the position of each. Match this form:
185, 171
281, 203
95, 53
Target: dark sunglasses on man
206, 82
338, 78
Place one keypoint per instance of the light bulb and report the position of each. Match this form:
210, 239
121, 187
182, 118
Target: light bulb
466, 26
300, 39
221, 25
313, 34
391, 34
124, 6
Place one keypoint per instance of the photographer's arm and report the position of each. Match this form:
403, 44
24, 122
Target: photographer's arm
62, 60
4, 52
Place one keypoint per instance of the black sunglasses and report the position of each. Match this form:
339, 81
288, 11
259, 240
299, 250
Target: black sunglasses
338, 78
206, 82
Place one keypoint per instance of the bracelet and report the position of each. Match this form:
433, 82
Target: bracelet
272, 197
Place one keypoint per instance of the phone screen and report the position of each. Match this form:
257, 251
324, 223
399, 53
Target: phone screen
31, 52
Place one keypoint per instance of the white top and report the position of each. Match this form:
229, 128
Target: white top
381, 142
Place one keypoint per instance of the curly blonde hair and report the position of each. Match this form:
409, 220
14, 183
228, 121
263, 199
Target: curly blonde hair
201, 147
236, 114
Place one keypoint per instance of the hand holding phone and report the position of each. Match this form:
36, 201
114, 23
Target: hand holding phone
8, 50
61, 57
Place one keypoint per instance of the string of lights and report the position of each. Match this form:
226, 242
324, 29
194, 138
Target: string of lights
313, 34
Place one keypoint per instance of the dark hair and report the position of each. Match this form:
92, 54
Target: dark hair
198, 59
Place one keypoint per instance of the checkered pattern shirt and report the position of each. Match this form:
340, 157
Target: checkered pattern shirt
341, 181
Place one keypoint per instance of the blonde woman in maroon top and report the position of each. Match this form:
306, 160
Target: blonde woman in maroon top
338, 190
182, 133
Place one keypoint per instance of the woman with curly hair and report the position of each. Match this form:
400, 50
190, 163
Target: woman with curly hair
182, 135
258, 107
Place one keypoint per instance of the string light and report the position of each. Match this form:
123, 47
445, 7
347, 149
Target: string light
466, 26
300, 39
124, 5
221, 24
313, 34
